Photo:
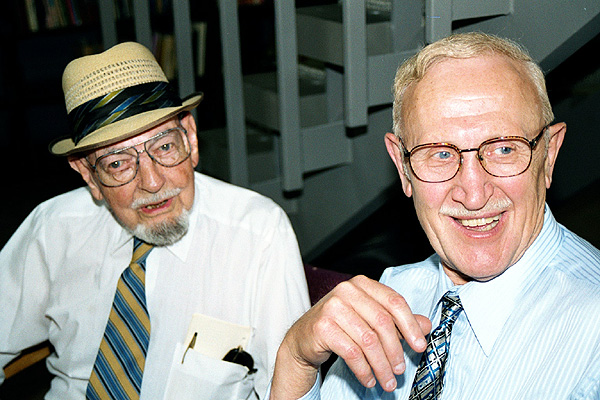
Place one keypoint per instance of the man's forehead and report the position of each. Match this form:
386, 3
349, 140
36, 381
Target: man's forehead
470, 88
471, 75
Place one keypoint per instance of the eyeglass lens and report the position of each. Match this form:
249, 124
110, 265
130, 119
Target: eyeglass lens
119, 167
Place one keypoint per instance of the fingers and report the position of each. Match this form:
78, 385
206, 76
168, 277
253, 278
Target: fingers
425, 325
353, 339
365, 322
361, 320
352, 351
394, 307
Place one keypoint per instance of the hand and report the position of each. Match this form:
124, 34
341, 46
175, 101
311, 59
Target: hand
362, 321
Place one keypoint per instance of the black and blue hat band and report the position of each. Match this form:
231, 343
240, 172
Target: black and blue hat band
120, 104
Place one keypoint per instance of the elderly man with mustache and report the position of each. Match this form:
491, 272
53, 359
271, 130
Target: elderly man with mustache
196, 246
513, 296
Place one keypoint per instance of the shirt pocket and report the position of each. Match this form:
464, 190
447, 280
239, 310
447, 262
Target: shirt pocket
200, 377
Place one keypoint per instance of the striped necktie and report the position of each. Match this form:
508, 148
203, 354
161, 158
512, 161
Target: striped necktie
429, 379
119, 365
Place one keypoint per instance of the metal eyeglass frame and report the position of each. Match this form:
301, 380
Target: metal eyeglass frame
145, 150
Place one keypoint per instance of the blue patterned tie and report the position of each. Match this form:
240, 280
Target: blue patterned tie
429, 379
119, 365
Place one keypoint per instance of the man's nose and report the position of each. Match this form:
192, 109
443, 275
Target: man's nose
472, 184
150, 173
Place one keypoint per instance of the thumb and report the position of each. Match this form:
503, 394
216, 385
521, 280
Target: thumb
424, 323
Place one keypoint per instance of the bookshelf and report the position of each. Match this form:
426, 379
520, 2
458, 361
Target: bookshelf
50, 33
46, 15
42, 36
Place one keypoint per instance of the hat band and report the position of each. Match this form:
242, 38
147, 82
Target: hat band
120, 104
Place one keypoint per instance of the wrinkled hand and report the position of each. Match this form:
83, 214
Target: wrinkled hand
362, 321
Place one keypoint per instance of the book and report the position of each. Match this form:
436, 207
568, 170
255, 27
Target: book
32, 15
200, 29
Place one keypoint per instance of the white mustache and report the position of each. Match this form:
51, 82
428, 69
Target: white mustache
494, 207
155, 198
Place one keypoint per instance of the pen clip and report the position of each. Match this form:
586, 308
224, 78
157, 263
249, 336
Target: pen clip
190, 346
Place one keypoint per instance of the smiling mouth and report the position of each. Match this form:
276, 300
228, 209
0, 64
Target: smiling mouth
480, 224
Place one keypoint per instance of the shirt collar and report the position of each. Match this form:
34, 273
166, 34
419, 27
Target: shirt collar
120, 239
182, 247
498, 297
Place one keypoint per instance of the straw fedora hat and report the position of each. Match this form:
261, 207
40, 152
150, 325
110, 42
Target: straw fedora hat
114, 95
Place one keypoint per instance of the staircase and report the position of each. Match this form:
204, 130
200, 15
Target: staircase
310, 135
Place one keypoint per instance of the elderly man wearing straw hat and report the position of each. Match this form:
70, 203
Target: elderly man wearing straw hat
114, 274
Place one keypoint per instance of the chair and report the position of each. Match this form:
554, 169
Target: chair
320, 281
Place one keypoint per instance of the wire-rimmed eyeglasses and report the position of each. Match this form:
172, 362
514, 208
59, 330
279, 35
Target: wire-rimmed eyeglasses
503, 156
168, 148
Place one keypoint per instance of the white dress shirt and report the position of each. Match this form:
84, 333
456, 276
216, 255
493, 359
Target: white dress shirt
532, 333
238, 262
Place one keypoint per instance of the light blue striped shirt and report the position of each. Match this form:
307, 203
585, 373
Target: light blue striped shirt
531, 333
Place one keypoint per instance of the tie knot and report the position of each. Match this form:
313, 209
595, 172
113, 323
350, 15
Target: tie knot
141, 250
451, 308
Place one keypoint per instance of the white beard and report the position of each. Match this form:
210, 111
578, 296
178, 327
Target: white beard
165, 233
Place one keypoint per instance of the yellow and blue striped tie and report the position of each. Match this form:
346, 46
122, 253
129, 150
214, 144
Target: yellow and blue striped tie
119, 365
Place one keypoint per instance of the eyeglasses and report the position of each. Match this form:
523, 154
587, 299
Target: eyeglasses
168, 148
501, 157
239, 356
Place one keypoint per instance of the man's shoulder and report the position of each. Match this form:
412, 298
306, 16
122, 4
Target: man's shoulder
75, 202
428, 267
578, 258
208, 183
63, 219
414, 281
219, 197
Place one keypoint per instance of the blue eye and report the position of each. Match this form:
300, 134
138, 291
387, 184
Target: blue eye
504, 150
443, 155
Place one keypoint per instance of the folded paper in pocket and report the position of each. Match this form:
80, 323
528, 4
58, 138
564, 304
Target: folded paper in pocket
214, 337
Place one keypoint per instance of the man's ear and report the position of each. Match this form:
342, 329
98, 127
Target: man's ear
393, 146
557, 135
79, 164
188, 122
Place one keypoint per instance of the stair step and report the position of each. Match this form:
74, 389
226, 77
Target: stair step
467, 9
320, 32
262, 104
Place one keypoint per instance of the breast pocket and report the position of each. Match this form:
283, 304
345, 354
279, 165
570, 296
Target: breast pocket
199, 377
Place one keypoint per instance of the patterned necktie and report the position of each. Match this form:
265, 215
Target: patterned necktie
430, 374
119, 365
